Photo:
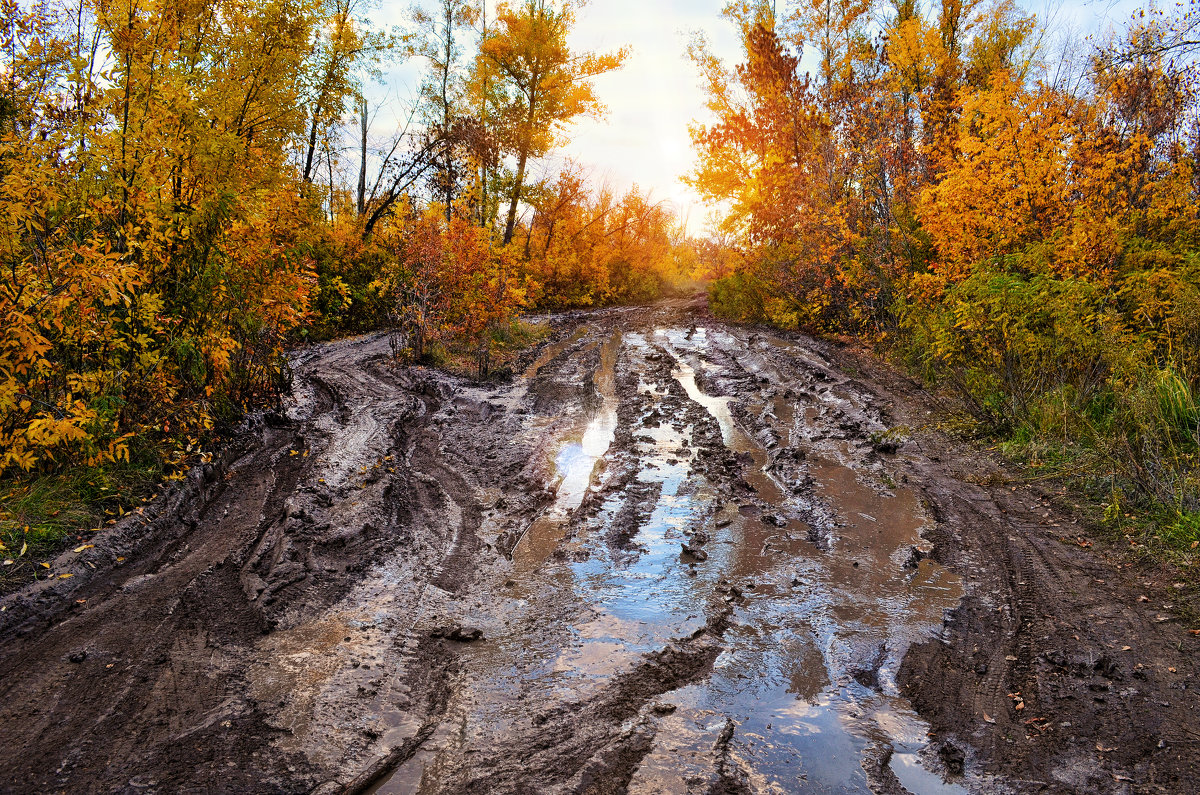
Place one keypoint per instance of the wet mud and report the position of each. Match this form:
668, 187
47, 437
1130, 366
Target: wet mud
671, 556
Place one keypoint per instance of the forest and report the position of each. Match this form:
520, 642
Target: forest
190, 189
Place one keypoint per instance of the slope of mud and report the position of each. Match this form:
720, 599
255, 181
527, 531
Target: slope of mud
670, 556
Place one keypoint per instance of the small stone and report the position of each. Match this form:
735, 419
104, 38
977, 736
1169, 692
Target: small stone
458, 634
914, 558
953, 757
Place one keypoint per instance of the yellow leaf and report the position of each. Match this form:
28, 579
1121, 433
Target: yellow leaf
65, 576
83, 547
44, 565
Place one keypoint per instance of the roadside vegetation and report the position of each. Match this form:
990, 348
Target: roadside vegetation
1012, 215
187, 188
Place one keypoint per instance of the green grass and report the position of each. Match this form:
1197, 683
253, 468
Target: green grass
1183, 531
41, 515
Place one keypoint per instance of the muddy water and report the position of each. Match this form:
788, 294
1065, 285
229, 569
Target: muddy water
809, 679
576, 456
666, 559
814, 571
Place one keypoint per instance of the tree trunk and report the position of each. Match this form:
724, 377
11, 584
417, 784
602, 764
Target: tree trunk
361, 204
511, 224
447, 153
312, 149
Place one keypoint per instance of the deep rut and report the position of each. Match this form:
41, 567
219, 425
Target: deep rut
670, 556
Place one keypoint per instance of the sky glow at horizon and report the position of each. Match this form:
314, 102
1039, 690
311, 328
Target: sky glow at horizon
651, 101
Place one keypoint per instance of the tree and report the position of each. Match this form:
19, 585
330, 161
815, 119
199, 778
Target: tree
441, 91
540, 84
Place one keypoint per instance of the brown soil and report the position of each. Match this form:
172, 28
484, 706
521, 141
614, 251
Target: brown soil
672, 556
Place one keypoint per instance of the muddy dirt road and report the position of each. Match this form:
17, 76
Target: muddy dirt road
671, 556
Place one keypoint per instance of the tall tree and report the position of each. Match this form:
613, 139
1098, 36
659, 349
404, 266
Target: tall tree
542, 85
441, 92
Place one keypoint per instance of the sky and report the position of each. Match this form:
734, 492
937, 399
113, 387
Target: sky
651, 101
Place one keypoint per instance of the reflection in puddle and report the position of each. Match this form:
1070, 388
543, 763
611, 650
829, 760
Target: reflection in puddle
805, 688
575, 463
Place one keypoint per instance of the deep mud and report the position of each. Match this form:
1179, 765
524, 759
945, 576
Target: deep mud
670, 556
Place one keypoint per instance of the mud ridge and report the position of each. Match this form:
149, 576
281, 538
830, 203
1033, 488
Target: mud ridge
666, 554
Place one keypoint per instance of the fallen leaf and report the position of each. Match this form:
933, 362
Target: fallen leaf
988, 718
9, 562
44, 565
65, 576
1126, 648
1104, 750
1172, 670
24, 547
83, 547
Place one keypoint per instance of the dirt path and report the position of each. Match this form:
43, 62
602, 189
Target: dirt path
672, 556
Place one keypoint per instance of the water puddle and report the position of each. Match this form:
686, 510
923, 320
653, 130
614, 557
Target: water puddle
808, 677
805, 688
575, 463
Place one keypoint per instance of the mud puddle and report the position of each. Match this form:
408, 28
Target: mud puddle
670, 557
576, 456
666, 522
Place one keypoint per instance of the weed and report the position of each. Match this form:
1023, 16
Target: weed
42, 515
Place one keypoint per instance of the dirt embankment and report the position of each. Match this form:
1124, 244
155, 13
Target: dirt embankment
671, 556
